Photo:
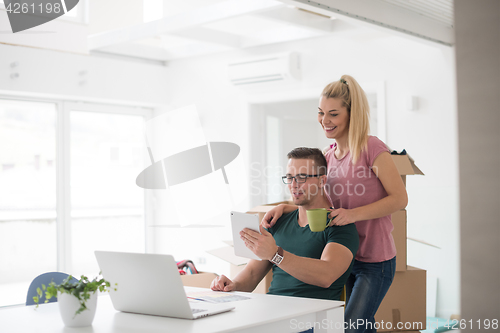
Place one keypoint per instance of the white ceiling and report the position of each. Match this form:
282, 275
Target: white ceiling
217, 26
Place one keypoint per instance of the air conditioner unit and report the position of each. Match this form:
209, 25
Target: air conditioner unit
281, 67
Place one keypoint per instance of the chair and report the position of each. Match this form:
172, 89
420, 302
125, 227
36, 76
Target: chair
45, 279
343, 296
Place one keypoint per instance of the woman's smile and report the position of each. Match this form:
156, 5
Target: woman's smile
333, 117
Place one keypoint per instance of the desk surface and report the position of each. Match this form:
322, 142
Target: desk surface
248, 315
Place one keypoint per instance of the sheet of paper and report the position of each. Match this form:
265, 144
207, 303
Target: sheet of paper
216, 296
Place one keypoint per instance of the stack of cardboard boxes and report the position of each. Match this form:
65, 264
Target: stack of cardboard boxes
404, 306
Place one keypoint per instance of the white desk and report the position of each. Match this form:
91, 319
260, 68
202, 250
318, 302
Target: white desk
262, 313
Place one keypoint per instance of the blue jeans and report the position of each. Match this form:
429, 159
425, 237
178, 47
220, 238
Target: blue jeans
365, 290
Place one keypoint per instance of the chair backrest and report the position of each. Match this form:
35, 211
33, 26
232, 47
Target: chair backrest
45, 278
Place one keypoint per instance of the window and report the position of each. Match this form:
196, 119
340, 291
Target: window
27, 195
107, 207
67, 188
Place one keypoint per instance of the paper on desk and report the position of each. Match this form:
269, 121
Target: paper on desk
216, 296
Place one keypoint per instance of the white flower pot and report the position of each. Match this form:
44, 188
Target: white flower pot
69, 304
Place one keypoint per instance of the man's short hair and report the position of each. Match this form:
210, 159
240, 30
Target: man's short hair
310, 153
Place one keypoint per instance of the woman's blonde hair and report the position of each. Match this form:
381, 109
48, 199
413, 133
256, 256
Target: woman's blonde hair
354, 99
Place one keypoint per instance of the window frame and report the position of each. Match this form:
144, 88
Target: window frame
64, 229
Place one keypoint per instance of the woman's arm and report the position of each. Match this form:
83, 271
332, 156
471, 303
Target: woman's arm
396, 198
274, 214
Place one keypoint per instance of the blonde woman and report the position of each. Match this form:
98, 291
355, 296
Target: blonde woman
365, 189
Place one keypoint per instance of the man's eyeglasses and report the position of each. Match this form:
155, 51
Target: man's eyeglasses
300, 178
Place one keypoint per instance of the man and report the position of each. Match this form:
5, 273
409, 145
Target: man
305, 264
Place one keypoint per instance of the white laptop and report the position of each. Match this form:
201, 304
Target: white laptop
151, 284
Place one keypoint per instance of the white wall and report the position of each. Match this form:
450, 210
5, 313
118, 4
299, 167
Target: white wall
429, 134
52, 74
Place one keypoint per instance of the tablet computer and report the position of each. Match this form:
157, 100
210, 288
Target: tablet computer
240, 221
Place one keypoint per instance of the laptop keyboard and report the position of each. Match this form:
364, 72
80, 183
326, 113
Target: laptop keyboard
197, 310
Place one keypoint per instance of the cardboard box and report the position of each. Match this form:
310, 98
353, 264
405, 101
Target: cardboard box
404, 303
201, 280
399, 235
406, 166
280, 202
261, 210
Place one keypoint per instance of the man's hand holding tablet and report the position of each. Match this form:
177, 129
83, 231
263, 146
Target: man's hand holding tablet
240, 221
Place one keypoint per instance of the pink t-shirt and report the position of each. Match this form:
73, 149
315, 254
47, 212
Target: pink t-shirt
350, 187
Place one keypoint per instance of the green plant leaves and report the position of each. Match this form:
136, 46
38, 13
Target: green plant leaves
82, 290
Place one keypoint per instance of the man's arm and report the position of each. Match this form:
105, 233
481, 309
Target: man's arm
246, 280
335, 259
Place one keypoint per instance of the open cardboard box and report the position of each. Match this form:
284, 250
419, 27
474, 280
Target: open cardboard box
406, 166
263, 209
405, 302
201, 280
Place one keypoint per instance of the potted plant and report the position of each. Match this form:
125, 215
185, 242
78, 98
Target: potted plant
77, 300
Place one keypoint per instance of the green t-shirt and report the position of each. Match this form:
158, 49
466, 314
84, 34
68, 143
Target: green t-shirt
302, 242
